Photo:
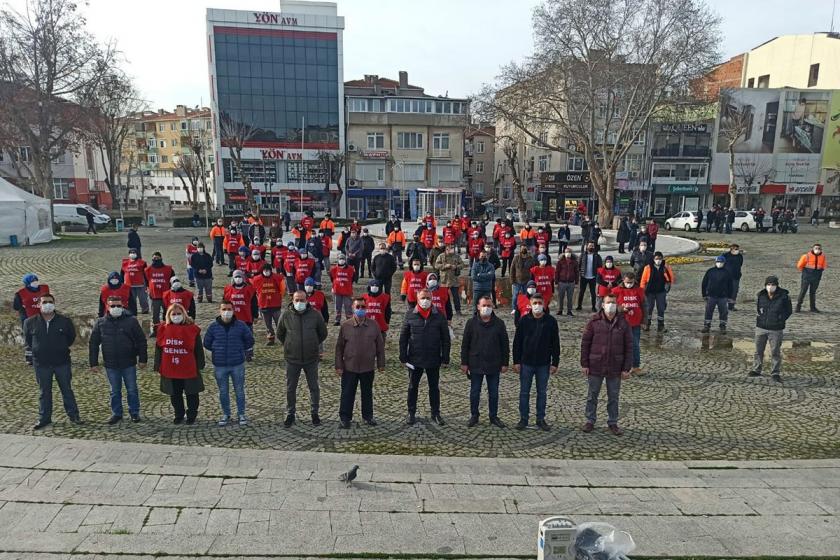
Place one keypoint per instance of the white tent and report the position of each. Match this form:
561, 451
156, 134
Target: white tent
25, 215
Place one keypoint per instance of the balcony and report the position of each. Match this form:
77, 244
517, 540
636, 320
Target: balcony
440, 154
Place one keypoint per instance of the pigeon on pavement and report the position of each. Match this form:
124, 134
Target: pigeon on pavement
350, 475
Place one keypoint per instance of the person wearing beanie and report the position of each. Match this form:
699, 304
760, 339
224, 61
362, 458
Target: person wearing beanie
440, 296
290, 258
192, 248
269, 288
241, 260
606, 278
657, 278
180, 295
117, 288
522, 305
716, 290
378, 305
157, 282
28, 298
316, 298
243, 297
774, 308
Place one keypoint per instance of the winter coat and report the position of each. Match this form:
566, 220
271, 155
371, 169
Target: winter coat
416, 250
773, 312
717, 283
354, 248
482, 275
733, 264
202, 263
133, 240
425, 343
568, 270
521, 268
434, 253
639, 260
597, 262
229, 343
367, 246
301, 334
50, 347
536, 341
384, 266
359, 347
485, 347
449, 269
623, 235
122, 340
607, 346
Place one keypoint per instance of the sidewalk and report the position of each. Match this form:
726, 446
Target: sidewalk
90, 497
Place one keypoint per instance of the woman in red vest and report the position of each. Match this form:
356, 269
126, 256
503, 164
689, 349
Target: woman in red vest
179, 358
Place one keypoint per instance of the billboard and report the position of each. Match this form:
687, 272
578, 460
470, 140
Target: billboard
831, 140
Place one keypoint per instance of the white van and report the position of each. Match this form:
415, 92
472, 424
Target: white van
76, 214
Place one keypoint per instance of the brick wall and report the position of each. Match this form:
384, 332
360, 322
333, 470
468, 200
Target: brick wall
726, 75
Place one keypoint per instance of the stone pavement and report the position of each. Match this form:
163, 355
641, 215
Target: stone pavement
85, 498
694, 403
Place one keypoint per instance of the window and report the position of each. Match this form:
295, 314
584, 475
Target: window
813, 75
370, 171
410, 172
380, 174
544, 137
164, 159
173, 126
151, 143
183, 125
409, 140
633, 165
444, 173
357, 105
751, 83
764, 81
375, 140
153, 158
479, 147
57, 158
24, 153
162, 143
174, 143
440, 141
61, 189
478, 187
640, 139
507, 192
479, 167
161, 127
542, 163
576, 163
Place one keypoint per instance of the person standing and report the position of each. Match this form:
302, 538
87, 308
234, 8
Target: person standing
232, 242
316, 298
483, 275
396, 244
734, 261
536, 354
28, 299
424, 347
192, 248
342, 275
485, 354
354, 250
378, 305
623, 234
133, 271
157, 279
91, 225
567, 275
811, 265
590, 262
606, 354
367, 254
123, 344
773, 308
287, 220
242, 296
48, 337
217, 236
384, 267
115, 287
564, 235
657, 278
416, 250
359, 349
134, 239
543, 276
434, 253
302, 331
716, 289
269, 288
179, 359
231, 343
413, 280
440, 297
178, 294
640, 258
730, 219
305, 267
815, 217
520, 270
507, 249
630, 299
202, 265
652, 232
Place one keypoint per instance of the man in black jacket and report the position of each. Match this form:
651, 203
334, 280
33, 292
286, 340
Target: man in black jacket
134, 240
202, 263
367, 253
734, 263
716, 289
773, 308
49, 336
536, 353
123, 346
384, 267
424, 346
485, 352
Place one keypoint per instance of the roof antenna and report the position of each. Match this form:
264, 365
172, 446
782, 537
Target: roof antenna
833, 8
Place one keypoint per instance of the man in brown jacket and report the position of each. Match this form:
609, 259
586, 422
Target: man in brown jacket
606, 353
354, 362
449, 264
520, 271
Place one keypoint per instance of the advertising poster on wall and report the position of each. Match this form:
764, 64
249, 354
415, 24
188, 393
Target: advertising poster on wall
831, 140
752, 112
802, 122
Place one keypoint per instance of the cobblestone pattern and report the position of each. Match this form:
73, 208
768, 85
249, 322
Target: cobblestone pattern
695, 401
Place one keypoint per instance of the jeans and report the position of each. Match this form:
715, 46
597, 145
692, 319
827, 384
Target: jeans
526, 377
158, 311
292, 378
433, 378
271, 317
218, 250
138, 293
637, 349
397, 255
492, 392
565, 290
455, 298
343, 303
205, 288
515, 288
116, 378
722, 305
349, 381
736, 286
809, 283
660, 302
63, 376
613, 388
728, 227
223, 376
584, 282
191, 275
762, 336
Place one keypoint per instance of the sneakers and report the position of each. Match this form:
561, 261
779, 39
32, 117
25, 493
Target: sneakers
588, 427
472, 422
542, 425
660, 326
114, 420
135, 418
637, 371
570, 314
41, 424
411, 420
521, 425
223, 421
616, 430
290, 419
777, 378
754, 373
178, 420
438, 419
316, 420
496, 422
723, 329
706, 329
190, 420
344, 424
370, 422
243, 420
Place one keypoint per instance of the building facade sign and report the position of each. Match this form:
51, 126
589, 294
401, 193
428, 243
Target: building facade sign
801, 189
374, 154
270, 18
274, 153
683, 189
676, 128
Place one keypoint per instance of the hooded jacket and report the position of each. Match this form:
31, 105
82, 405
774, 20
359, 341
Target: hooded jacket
772, 313
301, 334
122, 340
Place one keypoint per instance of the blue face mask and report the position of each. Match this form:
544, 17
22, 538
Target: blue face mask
360, 313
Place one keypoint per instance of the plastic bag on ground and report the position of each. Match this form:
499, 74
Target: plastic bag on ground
602, 541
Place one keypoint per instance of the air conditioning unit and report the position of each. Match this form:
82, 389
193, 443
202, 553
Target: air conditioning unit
351, 147
351, 183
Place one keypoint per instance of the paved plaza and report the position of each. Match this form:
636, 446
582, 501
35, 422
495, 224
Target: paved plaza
695, 402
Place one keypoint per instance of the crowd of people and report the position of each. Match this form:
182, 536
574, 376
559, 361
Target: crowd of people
284, 284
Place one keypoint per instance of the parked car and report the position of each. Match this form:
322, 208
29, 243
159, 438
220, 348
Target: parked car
744, 220
687, 220
76, 214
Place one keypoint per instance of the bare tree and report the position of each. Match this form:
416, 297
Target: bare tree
733, 126
333, 166
749, 170
235, 134
513, 153
601, 69
48, 64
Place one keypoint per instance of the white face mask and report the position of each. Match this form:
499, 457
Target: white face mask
537, 309
719, 264
176, 285
425, 303
432, 285
256, 256
608, 265
609, 308
626, 285
299, 306
568, 255
195, 243
485, 311
177, 319
771, 288
342, 263
531, 291
309, 289
817, 251
267, 273
416, 268
238, 280
47, 308
114, 281
35, 284
132, 257
227, 315
115, 311
374, 289
735, 251
657, 262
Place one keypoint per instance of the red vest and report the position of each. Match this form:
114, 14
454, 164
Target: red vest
304, 269
123, 292
474, 247
465, 223
440, 297
158, 280
542, 239
414, 281
543, 276
342, 280
308, 222
289, 261
190, 250
429, 220
241, 300
427, 237
633, 299
609, 275
376, 306
177, 356
233, 243
269, 290
497, 231
523, 304
448, 235
278, 256
456, 226
508, 246
31, 301
317, 300
252, 267
242, 264
133, 272
183, 297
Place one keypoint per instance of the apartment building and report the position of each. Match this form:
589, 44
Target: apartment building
479, 159
405, 149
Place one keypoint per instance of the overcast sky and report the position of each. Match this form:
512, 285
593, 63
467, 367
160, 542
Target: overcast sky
444, 45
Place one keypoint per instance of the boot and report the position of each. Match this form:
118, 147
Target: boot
660, 325
706, 328
646, 325
723, 328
